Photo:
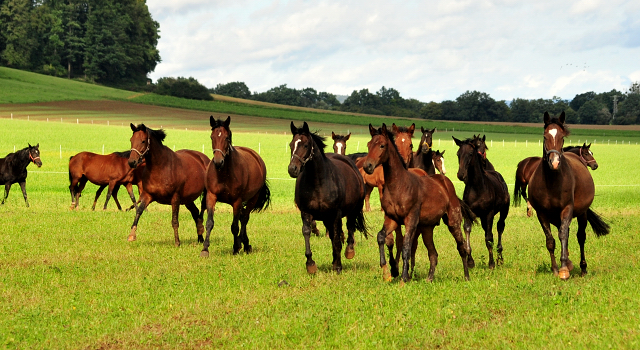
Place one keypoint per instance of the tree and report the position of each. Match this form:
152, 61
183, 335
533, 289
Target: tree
182, 87
629, 110
234, 89
581, 99
634, 88
588, 113
431, 110
15, 19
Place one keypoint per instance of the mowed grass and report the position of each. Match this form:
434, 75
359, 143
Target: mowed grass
71, 279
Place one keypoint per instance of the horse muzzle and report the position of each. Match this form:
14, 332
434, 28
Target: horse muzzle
593, 166
462, 177
218, 163
294, 170
133, 163
38, 163
368, 167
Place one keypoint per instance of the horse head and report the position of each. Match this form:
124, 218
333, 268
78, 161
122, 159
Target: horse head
141, 142
437, 158
221, 140
554, 133
426, 141
587, 156
468, 149
340, 143
378, 148
303, 147
403, 136
34, 154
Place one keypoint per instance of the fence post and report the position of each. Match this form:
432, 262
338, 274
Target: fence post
60, 151
258, 147
103, 150
358, 147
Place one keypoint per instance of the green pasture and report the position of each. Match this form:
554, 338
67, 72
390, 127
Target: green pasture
71, 279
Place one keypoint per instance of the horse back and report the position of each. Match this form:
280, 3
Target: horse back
100, 169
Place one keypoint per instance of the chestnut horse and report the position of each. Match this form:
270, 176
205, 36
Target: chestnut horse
418, 202
560, 189
236, 176
13, 169
111, 170
528, 165
328, 188
171, 178
485, 192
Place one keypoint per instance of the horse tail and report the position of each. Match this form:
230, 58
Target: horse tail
598, 225
361, 224
517, 193
264, 198
467, 213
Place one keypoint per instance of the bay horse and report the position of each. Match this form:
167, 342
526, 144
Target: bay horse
560, 189
236, 176
111, 170
423, 158
13, 169
528, 165
340, 143
485, 192
418, 202
328, 188
170, 178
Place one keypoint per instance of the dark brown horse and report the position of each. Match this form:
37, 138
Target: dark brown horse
528, 165
111, 170
423, 158
560, 189
328, 188
171, 178
236, 176
418, 202
13, 169
485, 192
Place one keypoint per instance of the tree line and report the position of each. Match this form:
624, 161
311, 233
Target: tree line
585, 108
107, 41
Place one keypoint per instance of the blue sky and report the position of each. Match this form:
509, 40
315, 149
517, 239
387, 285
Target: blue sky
428, 50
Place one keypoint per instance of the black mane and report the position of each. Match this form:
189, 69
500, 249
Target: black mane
319, 140
392, 138
124, 154
158, 135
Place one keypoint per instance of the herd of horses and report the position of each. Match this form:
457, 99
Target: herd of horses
332, 186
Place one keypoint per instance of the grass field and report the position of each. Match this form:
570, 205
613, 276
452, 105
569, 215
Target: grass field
71, 279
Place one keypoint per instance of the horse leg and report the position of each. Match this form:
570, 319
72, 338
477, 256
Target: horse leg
582, 237
500, 226
211, 206
410, 225
115, 197
81, 184
193, 209
306, 232
453, 221
414, 248
395, 262
144, 201
175, 210
129, 188
109, 194
487, 225
336, 234
7, 187
23, 187
98, 193
551, 242
388, 227
314, 228
523, 191
368, 189
563, 234
468, 224
235, 230
350, 252
427, 238
244, 219
380, 188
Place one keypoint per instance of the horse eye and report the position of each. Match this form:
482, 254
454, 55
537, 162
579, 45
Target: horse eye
381, 146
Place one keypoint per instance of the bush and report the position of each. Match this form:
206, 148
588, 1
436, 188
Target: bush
182, 87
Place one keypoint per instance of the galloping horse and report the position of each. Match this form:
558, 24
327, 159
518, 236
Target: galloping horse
236, 176
328, 188
485, 192
169, 177
110, 170
13, 169
418, 202
560, 189
528, 165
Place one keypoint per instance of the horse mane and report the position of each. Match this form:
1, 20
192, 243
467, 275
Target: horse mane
392, 138
340, 137
569, 148
124, 154
158, 135
217, 123
319, 140
562, 126
402, 129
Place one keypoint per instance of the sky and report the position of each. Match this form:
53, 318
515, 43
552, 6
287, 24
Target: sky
427, 50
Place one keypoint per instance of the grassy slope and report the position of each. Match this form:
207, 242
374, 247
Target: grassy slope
71, 280
25, 87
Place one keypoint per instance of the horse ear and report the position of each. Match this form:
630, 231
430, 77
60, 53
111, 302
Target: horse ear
394, 128
133, 128
412, 128
458, 142
484, 138
434, 130
422, 129
588, 146
305, 128
333, 136
547, 119
561, 119
384, 128
294, 130
38, 145
442, 154
372, 130
347, 137
29, 145
212, 121
142, 127
227, 122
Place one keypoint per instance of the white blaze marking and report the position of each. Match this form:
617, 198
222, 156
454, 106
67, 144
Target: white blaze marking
443, 169
590, 153
295, 147
219, 133
553, 133
339, 145
402, 140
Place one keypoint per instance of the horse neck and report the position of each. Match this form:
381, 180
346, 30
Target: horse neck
394, 167
22, 158
475, 172
315, 168
158, 155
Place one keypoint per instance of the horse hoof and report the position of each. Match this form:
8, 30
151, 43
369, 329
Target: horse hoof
248, 249
470, 262
200, 239
312, 268
349, 253
564, 273
569, 265
204, 254
131, 238
529, 212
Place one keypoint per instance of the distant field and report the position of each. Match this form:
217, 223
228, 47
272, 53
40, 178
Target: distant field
71, 280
